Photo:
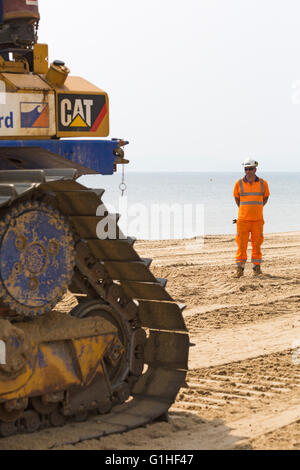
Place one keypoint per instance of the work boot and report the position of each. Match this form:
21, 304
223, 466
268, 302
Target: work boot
256, 270
239, 271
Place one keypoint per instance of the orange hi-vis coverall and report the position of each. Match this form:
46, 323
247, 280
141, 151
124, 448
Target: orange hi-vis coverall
250, 218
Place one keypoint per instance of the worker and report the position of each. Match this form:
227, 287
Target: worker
251, 195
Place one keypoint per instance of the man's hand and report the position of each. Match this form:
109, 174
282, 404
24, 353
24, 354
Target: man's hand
237, 200
266, 200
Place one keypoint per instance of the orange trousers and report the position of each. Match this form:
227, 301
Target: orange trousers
244, 229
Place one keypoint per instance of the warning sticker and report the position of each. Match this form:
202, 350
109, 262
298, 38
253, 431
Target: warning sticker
81, 113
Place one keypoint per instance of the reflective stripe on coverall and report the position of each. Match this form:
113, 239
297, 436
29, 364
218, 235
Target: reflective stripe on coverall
250, 203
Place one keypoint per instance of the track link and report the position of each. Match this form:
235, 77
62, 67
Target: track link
111, 272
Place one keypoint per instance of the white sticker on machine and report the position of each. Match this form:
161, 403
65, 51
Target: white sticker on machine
2, 353
27, 115
32, 2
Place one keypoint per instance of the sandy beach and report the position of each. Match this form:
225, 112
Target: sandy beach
243, 384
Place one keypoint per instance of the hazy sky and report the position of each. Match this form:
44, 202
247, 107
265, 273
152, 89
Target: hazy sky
195, 85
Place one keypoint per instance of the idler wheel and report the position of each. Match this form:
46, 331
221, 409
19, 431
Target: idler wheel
36, 258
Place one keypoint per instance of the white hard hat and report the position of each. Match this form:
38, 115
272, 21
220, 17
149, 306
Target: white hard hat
250, 162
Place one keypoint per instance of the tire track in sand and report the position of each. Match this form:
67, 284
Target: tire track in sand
216, 347
263, 393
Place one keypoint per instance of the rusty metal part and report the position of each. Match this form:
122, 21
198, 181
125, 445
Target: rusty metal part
119, 152
47, 404
67, 352
12, 410
18, 350
51, 398
9, 416
16, 404
120, 287
114, 353
83, 399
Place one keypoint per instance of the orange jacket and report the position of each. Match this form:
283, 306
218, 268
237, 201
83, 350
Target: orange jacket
251, 198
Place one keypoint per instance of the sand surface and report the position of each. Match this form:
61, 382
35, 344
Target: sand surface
243, 384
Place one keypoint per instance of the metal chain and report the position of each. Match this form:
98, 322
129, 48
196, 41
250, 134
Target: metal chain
123, 185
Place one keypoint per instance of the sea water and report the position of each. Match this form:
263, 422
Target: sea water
213, 192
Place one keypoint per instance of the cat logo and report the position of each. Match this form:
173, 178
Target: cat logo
81, 113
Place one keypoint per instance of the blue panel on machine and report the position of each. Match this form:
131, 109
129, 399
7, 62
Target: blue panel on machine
97, 155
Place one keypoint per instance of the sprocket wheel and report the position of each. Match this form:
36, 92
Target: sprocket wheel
36, 258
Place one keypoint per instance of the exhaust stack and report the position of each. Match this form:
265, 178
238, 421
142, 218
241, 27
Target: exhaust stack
18, 24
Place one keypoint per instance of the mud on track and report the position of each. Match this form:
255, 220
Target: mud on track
243, 386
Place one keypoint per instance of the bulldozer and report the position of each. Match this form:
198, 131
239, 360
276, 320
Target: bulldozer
122, 350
